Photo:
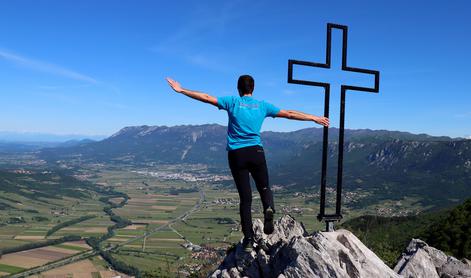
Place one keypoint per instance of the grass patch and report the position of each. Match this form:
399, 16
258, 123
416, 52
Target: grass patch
10, 269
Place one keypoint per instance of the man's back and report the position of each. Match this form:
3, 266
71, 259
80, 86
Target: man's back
245, 151
246, 116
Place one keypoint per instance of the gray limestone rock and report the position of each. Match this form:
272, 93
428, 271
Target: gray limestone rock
292, 252
422, 260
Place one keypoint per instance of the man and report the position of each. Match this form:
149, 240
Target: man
245, 149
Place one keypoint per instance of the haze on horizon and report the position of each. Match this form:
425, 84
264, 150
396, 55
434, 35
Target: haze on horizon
91, 68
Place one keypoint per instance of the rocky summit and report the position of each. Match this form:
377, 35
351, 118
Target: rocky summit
421, 260
292, 252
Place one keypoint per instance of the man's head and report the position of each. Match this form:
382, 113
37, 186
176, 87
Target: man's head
245, 85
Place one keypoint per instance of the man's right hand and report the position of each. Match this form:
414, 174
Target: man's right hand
193, 94
175, 85
321, 120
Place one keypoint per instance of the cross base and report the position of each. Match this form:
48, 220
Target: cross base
329, 220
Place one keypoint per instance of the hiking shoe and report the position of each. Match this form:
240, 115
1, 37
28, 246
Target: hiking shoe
247, 245
268, 221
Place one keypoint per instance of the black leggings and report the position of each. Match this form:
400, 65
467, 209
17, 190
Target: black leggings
242, 162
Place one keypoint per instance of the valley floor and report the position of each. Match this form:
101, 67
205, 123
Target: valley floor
178, 226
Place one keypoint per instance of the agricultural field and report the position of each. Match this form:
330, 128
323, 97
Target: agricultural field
12, 235
176, 225
213, 226
19, 261
93, 227
91, 268
37, 201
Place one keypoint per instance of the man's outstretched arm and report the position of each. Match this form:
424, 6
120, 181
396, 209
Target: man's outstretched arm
300, 116
193, 94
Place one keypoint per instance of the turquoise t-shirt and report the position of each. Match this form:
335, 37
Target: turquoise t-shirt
246, 116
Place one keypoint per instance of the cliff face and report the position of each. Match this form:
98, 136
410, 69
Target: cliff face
291, 252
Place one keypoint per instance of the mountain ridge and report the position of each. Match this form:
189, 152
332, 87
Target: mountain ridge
388, 164
419, 135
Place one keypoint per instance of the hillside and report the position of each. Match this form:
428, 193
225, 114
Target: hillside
390, 164
38, 185
448, 230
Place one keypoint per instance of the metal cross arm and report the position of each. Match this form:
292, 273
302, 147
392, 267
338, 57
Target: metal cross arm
329, 218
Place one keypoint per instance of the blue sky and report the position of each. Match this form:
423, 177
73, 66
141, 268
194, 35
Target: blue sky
93, 67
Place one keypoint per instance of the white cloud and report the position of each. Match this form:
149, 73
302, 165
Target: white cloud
45, 67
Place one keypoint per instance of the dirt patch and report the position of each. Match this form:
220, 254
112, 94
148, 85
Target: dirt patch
116, 200
71, 229
20, 260
36, 257
126, 236
135, 201
118, 239
150, 221
138, 207
29, 237
96, 230
82, 268
159, 195
61, 250
134, 227
111, 274
164, 207
188, 198
46, 254
166, 239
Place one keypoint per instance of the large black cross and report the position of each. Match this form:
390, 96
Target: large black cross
330, 218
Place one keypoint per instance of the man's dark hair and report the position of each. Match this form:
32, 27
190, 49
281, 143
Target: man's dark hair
245, 84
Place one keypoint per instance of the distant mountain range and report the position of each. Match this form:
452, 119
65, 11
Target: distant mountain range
390, 163
15, 147
35, 137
